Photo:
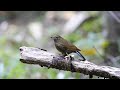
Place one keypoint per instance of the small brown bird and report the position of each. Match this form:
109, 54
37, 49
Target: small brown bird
65, 47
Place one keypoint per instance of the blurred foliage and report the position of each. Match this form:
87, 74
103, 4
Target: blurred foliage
94, 25
16, 31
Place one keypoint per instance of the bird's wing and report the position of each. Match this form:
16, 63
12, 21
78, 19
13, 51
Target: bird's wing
70, 45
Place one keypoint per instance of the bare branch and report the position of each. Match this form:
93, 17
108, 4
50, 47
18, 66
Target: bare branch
31, 55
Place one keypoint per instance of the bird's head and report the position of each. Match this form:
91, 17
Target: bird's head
56, 38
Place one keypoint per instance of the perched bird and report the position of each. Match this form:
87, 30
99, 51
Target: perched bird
66, 47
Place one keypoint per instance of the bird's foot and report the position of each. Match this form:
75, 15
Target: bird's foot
70, 58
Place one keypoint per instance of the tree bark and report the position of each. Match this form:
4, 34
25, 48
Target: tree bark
31, 55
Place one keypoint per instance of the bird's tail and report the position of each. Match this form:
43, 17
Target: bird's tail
80, 55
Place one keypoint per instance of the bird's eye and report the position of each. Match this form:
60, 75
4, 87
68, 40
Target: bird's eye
57, 38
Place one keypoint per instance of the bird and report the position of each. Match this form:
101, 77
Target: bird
66, 47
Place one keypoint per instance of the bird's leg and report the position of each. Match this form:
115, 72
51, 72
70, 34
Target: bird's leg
70, 58
66, 56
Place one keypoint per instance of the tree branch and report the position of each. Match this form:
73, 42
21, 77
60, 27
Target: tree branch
31, 55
